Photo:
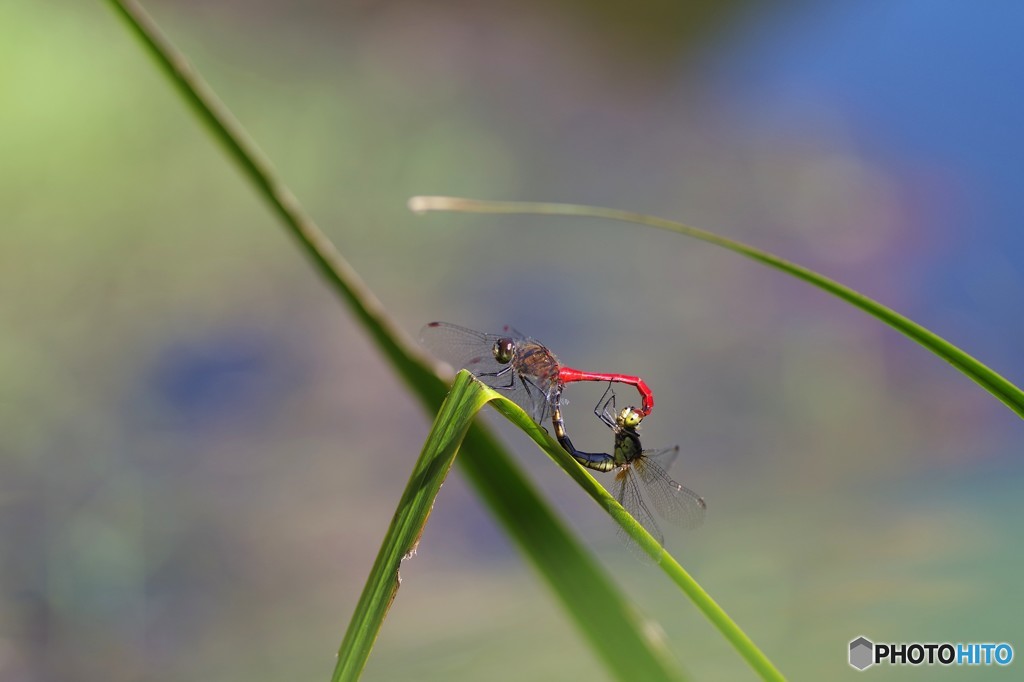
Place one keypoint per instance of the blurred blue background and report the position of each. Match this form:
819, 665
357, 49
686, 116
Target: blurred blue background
201, 450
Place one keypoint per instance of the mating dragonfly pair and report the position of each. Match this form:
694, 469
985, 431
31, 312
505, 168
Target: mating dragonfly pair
530, 375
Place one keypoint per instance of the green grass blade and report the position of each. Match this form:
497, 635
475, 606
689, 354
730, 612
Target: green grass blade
711, 610
597, 610
453, 420
987, 378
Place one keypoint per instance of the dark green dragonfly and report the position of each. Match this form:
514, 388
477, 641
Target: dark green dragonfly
636, 469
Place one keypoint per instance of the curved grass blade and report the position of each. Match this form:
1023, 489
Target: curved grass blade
630, 656
453, 420
708, 606
1009, 394
491, 472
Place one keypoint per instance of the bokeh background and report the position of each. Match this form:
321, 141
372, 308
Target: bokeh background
201, 451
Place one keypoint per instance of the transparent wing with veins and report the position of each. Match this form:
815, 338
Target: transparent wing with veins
673, 501
627, 492
465, 348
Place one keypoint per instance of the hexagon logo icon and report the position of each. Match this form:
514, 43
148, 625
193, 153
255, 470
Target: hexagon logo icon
862, 653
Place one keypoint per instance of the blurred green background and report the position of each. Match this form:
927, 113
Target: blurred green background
201, 451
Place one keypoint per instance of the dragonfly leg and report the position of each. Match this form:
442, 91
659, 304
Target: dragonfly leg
500, 373
601, 409
511, 376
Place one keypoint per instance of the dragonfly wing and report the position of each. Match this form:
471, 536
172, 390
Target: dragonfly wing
464, 348
514, 333
674, 501
628, 494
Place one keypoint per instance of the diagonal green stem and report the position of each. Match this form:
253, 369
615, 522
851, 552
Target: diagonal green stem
987, 378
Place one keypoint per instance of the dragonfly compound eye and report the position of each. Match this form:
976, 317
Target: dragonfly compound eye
503, 351
629, 417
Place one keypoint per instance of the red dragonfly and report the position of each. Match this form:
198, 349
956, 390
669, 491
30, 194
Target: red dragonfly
522, 368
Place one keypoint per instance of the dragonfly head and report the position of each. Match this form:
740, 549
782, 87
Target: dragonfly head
502, 350
629, 418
